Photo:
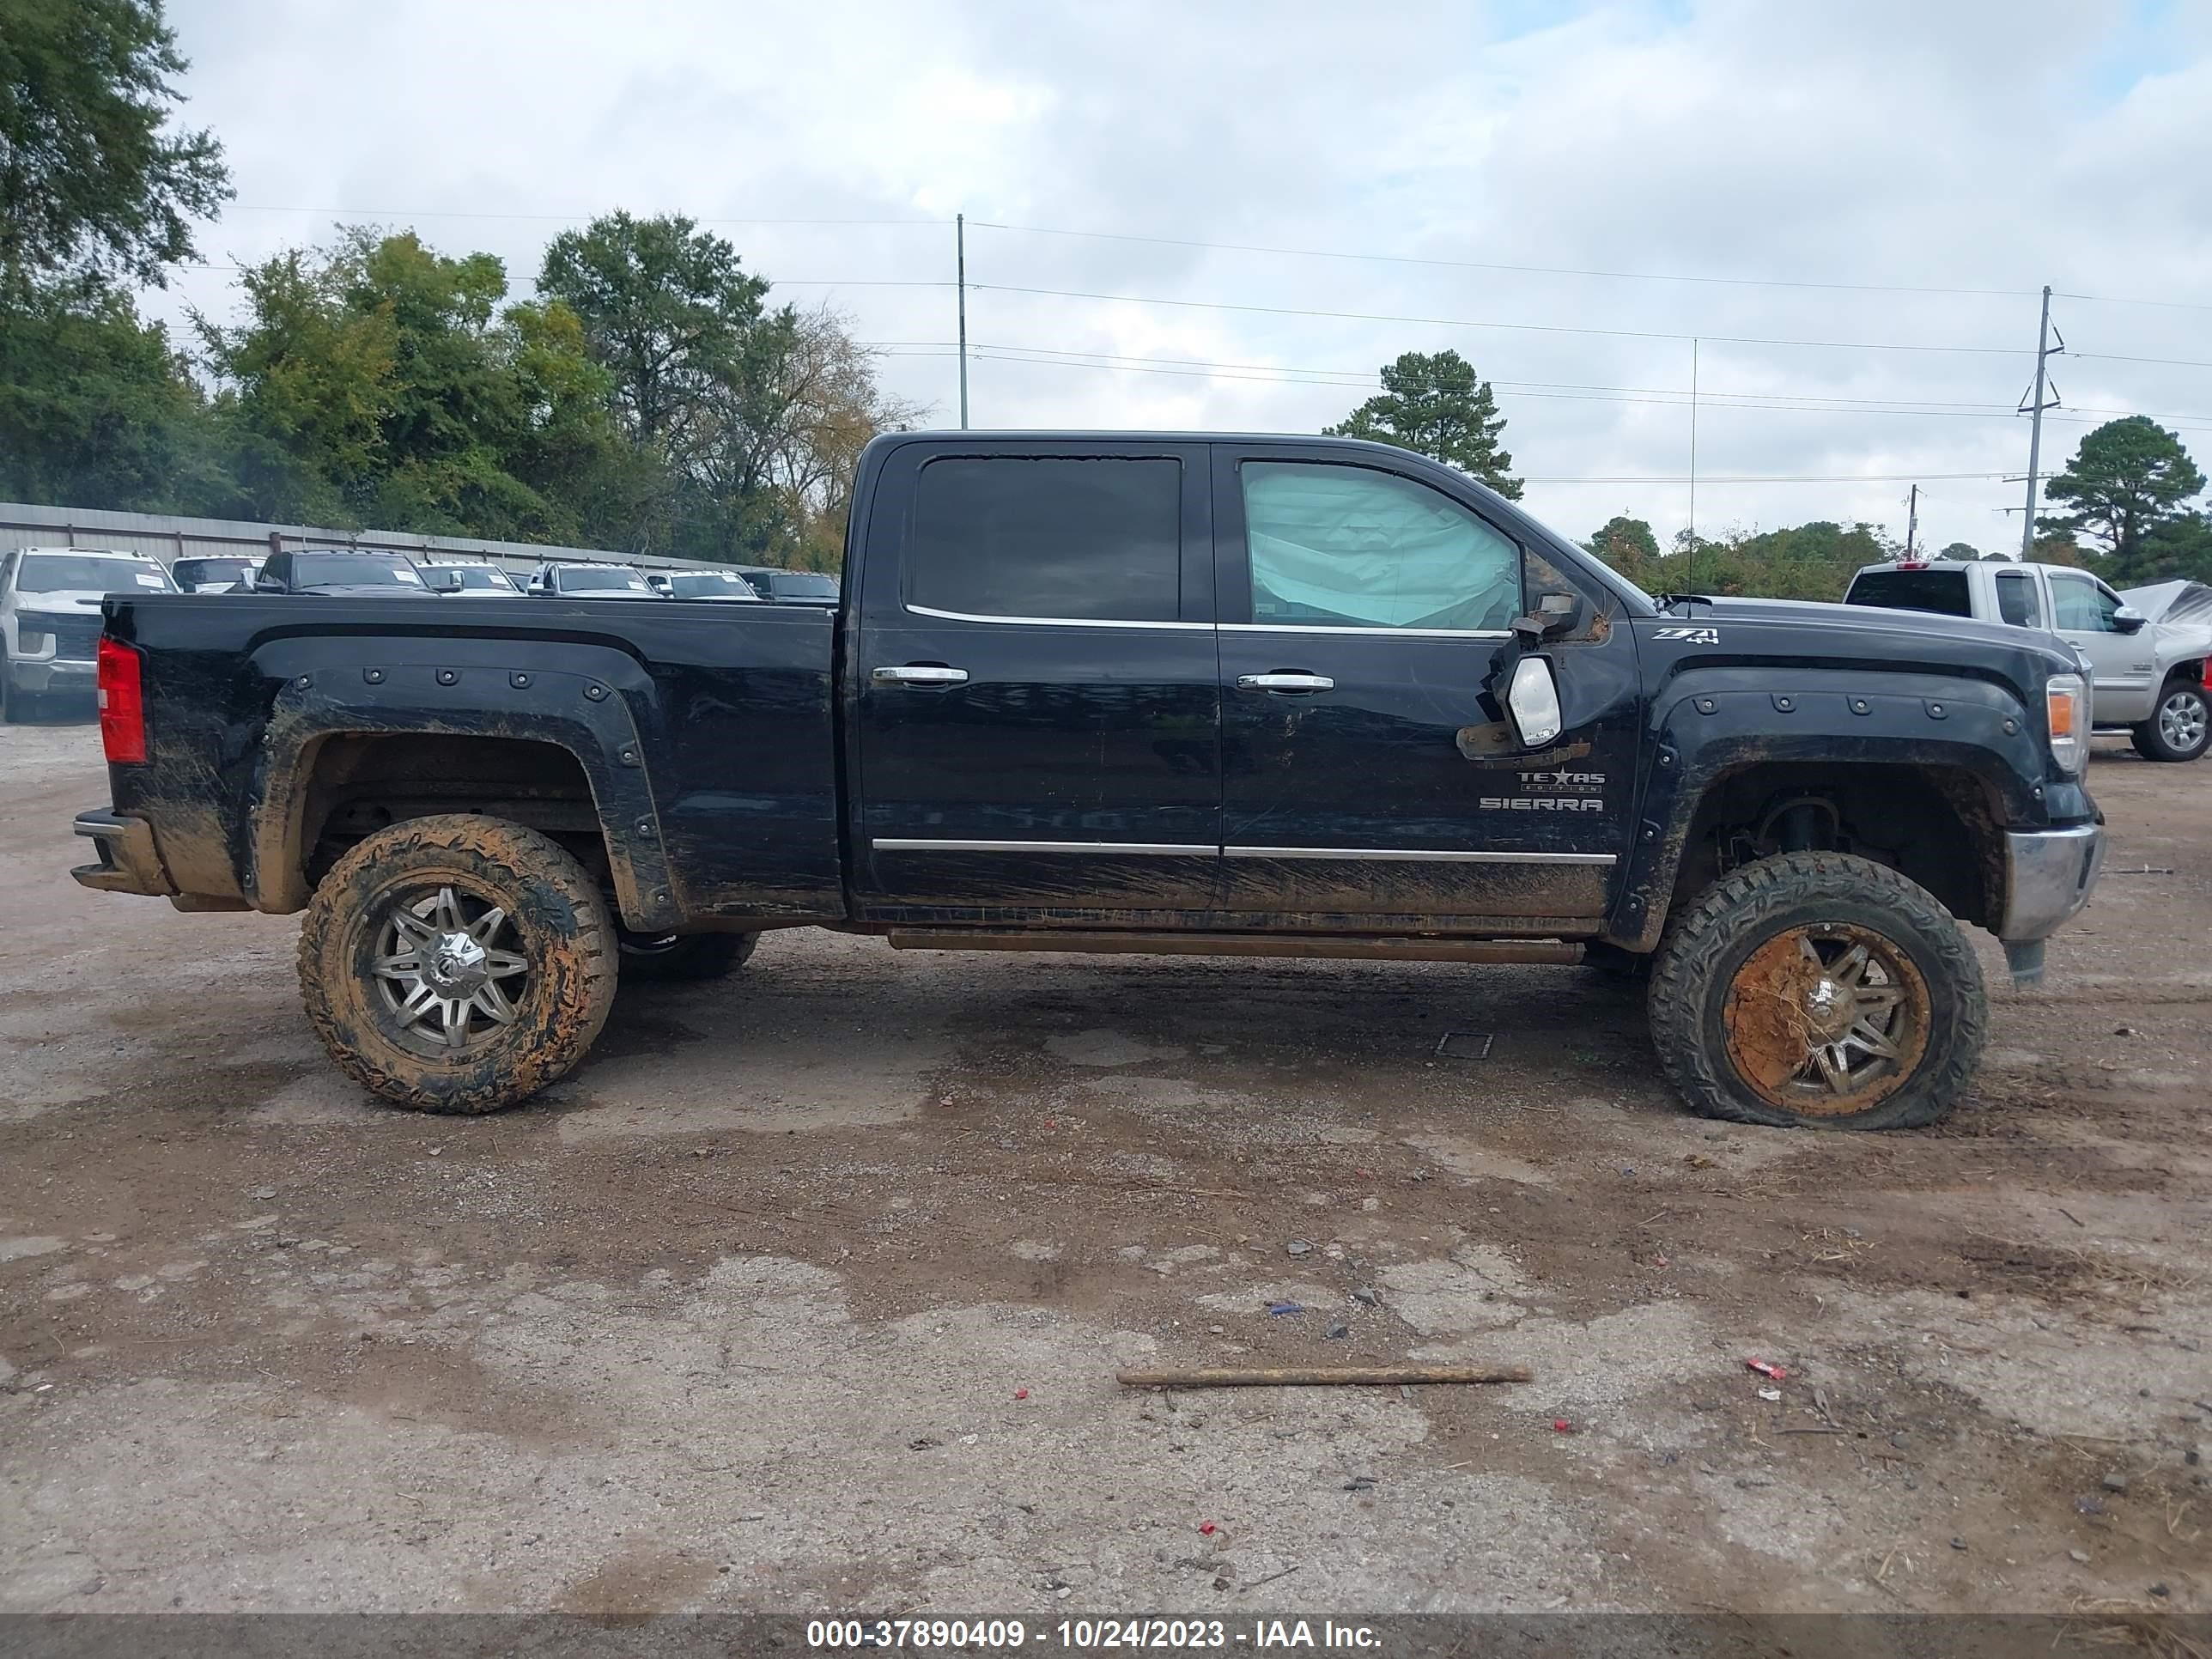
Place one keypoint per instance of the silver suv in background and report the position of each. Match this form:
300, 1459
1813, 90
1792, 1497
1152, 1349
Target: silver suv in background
562, 580
2146, 678
49, 618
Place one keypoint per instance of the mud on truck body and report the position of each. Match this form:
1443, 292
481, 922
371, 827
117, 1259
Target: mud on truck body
1172, 694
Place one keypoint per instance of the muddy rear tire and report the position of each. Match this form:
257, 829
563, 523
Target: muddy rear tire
1819, 990
457, 964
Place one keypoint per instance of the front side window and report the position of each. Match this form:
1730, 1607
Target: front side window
2016, 600
1049, 538
2082, 605
64, 573
1334, 546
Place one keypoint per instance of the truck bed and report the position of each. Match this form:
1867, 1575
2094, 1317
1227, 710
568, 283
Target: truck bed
692, 748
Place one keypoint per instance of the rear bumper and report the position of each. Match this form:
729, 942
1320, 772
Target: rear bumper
2049, 875
128, 861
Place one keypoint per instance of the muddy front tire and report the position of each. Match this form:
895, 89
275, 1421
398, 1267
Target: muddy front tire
457, 964
1819, 990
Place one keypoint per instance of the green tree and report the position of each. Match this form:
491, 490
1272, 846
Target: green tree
2180, 547
381, 382
1628, 545
2129, 477
1436, 406
96, 408
668, 311
93, 184
1965, 552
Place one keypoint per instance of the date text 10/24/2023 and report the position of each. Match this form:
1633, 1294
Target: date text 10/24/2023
1091, 1635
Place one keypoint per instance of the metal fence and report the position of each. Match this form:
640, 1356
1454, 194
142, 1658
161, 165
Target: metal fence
168, 540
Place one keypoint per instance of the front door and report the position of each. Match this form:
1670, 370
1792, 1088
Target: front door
1038, 736
1370, 779
2123, 669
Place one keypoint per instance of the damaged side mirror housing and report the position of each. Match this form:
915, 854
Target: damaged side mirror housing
1532, 702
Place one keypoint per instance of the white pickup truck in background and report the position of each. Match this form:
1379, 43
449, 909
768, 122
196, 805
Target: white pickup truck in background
2146, 677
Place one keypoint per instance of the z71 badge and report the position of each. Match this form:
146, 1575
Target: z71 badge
1689, 636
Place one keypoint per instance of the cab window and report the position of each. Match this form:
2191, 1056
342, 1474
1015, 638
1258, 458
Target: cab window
1337, 546
2082, 605
2016, 600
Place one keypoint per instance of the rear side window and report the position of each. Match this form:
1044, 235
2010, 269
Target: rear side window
1941, 591
1081, 539
2016, 600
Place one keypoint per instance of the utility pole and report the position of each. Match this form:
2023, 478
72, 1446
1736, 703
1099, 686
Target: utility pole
1690, 576
960, 258
2044, 352
1911, 519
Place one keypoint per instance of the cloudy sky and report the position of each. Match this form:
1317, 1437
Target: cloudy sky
1569, 195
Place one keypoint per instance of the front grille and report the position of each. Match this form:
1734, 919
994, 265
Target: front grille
76, 638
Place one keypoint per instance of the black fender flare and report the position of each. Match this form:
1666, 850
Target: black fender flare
582, 698
1710, 724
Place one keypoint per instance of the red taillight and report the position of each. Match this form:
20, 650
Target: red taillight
1912, 564
2207, 672
122, 705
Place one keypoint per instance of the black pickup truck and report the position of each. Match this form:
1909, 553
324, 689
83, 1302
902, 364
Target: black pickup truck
1193, 693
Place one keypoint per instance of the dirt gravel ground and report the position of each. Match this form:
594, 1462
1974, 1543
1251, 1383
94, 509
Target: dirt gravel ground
742, 1315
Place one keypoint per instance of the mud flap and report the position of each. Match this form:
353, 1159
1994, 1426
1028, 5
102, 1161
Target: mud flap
2024, 958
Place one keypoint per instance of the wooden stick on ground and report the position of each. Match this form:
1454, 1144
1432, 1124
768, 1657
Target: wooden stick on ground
1321, 1376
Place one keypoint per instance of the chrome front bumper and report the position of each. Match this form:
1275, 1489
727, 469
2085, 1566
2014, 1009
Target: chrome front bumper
2049, 874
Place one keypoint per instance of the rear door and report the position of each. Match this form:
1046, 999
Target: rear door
1368, 780
1038, 729
2122, 667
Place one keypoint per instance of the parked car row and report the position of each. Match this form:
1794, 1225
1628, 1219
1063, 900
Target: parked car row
2147, 676
50, 597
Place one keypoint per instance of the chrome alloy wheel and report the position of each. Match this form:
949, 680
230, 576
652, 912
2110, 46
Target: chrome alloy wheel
1827, 1019
2181, 719
448, 968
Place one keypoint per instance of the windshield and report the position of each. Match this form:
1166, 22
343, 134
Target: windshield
64, 573
715, 585
353, 570
479, 578
600, 579
211, 570
803, 585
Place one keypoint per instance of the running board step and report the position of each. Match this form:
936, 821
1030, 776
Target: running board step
1558, 952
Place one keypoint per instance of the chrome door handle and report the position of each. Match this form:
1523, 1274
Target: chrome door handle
1285, 683
917, 674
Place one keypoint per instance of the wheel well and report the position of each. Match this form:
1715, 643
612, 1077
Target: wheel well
2189, 673
358, 783
1942, 828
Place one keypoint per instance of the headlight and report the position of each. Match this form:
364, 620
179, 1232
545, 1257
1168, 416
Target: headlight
32, 642
2066, 704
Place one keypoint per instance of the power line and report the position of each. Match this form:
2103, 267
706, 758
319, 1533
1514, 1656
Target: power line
1526, 328
2170, 362
470, 213
1356, 380
1484, 265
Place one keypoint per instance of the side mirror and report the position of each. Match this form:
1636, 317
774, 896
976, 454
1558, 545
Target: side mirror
2129, 620
445, 581
1561, 614
1532, 702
